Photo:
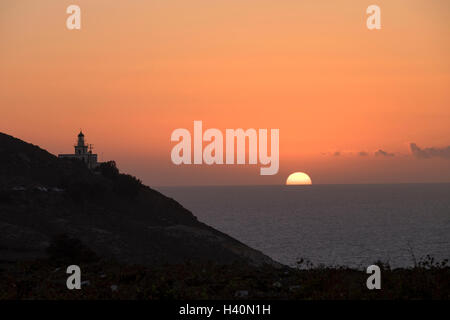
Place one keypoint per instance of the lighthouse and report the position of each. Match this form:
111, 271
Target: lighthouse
83, 152
81, 147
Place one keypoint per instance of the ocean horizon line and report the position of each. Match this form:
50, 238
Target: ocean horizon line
298, 186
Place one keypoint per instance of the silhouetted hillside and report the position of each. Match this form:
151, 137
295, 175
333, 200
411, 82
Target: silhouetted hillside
113, 214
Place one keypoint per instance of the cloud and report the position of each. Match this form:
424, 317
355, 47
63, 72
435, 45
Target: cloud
363, 153
432, 152
382, 153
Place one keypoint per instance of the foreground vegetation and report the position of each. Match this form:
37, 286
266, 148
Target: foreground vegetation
46, 279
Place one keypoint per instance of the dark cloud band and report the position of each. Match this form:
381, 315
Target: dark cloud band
432, 152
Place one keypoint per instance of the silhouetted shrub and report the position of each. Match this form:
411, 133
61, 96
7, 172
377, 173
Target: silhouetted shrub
123, 184
108, 170
304, 263
72, 250
383, 265
428, 262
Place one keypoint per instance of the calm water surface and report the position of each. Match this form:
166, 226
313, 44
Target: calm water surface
351, 225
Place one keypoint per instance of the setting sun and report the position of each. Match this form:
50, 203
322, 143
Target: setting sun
298, 178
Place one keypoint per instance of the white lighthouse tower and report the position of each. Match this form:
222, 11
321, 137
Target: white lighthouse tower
81, 147
83, 152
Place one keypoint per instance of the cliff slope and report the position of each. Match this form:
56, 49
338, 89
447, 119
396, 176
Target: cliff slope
115, 215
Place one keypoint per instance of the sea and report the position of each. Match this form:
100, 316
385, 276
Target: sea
329, 225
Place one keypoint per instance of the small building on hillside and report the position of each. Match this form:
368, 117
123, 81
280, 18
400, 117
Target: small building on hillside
83, 152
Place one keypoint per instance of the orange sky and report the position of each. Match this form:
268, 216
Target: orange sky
137, 70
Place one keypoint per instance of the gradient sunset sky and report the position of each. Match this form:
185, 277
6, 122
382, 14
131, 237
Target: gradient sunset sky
137, 70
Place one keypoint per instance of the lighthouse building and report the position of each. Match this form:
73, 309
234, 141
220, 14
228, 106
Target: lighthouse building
83, 152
